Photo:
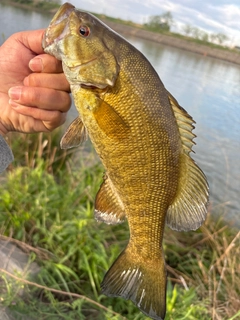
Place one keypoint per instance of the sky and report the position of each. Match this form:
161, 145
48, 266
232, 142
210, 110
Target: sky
212, 16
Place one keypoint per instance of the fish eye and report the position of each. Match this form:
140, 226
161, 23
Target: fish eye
84, 31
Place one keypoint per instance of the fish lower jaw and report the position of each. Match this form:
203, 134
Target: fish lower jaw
52, 50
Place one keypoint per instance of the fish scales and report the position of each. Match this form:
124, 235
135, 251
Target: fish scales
143, 138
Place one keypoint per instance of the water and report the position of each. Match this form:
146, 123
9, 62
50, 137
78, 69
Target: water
208, 89
13, 19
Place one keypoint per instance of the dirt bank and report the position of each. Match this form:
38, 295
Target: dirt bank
226, 55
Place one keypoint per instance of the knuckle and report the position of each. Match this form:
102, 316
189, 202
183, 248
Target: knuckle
51, 64
67, 102
57, 119
34, 80
32, 96
63, 100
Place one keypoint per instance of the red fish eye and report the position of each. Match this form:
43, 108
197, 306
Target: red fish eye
84, 31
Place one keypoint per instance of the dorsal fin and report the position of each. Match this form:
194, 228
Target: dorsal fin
108, 206
189, 208
185, 124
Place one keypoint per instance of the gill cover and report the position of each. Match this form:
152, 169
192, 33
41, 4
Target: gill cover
78, 39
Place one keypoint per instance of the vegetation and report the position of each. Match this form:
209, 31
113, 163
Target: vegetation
196, 33
47, 201
160, 23
189, 33
164, 23
39, 4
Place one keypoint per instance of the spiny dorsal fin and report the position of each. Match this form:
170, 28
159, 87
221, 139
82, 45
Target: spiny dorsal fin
108, 206
185, 124
189, 208
75, 134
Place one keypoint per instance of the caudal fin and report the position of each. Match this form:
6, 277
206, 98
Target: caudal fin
141, 280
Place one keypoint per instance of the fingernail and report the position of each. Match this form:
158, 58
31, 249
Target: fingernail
15, 93
36, 65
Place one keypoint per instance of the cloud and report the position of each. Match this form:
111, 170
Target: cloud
229, 15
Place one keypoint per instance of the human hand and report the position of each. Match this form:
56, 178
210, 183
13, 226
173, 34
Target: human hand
35, 84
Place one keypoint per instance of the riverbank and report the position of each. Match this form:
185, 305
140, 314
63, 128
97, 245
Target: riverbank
41, 6
169, 40
205, 50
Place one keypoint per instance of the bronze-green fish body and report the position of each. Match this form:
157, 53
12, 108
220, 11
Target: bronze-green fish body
143, 138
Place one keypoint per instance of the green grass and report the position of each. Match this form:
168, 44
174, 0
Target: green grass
47, 202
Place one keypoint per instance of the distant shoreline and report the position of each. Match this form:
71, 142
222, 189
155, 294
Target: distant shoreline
27, 7
207, 51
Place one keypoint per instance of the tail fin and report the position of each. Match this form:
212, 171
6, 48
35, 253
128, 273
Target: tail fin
142, 281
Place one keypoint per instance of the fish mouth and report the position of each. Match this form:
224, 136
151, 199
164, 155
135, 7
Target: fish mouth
57, 28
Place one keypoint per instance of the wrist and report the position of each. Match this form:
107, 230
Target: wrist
3, 130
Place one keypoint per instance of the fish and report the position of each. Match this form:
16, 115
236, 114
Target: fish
143, 138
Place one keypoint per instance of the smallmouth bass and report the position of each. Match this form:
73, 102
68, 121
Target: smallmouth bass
143, 138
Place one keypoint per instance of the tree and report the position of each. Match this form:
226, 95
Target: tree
204, 36
220, 37
213, 37
161, 22
187, 30
196, 33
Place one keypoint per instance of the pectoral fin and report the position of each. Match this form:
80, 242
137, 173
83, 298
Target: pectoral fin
189, 208
108, 206
110, 122
75, 134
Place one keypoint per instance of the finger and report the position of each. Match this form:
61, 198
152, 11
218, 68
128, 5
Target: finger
56, 81
42, 98
45, 120
45, 63
31, 39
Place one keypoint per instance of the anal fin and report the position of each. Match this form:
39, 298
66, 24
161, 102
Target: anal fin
108, 205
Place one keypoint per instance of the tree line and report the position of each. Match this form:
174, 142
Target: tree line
164, 23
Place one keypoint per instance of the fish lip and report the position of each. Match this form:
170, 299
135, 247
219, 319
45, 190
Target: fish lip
63, 13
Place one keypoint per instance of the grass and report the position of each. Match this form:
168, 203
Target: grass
47, 201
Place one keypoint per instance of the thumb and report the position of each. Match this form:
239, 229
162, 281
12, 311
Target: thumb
32, 40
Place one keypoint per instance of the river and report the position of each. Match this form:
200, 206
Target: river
207, 88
